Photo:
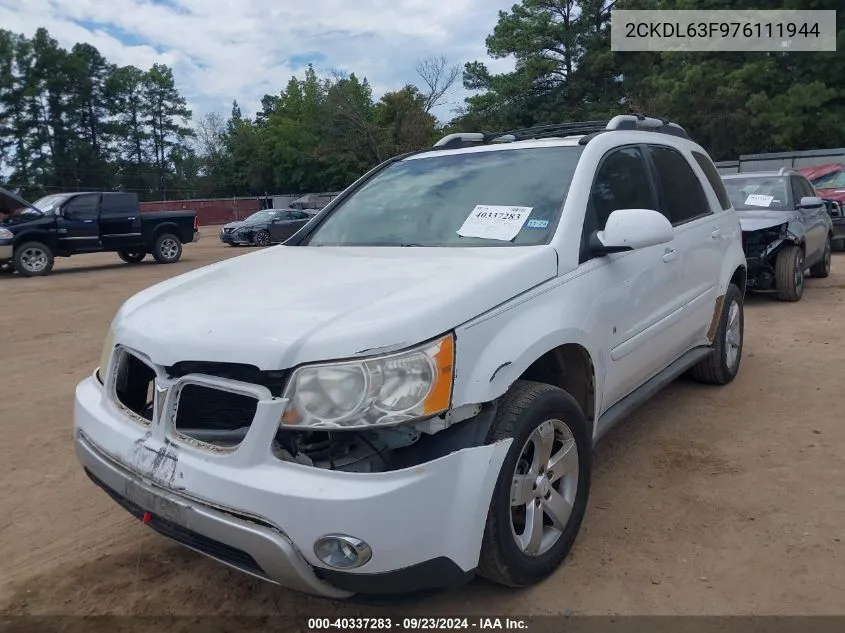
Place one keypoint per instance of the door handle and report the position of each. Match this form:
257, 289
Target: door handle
717, 234
670, 255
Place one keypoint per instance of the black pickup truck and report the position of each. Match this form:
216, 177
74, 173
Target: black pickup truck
65, 224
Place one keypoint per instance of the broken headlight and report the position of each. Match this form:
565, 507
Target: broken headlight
379, 391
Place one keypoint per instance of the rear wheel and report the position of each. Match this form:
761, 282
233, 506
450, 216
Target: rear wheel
722, 365
33, 259
131, 257
541, 493
167, 249
789, 273
822, 269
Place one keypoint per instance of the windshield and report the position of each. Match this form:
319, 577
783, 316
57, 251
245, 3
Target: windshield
260, 216
835, 180
48, 203
514, 196
758, 193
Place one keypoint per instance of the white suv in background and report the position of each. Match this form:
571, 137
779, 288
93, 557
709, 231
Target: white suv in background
420, 403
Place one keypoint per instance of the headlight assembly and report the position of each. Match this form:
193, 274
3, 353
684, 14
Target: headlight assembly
380, 391
6, 234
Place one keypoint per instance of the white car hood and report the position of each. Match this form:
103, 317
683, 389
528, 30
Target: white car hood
757, 220
287, 305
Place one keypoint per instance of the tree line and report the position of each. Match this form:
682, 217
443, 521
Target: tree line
71, 120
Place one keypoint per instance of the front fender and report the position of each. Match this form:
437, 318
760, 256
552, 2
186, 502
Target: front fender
495, 350
36, 235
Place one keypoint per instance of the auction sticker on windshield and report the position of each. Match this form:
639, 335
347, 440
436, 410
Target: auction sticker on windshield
757, 200
492, 222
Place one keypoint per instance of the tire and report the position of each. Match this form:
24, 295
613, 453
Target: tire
721, 367
526, 408
789, 273
822, 269
132, 257
262, 238
167, 249
33, 259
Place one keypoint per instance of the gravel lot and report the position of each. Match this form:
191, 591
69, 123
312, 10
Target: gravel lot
709, 500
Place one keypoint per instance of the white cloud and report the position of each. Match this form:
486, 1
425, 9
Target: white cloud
221, 50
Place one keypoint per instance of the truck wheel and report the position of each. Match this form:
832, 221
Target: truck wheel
33, 259
131, 257
722, 365
789, 273
822, 269
262, 238
167, 249
541, 494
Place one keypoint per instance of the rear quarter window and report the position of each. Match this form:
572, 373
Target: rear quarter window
714, 179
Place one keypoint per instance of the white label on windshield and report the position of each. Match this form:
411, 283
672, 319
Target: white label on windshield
493, 222
758, 200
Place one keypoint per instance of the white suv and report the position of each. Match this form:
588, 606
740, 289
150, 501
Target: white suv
407, 393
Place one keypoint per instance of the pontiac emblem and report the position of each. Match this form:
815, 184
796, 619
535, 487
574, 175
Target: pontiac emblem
158, 399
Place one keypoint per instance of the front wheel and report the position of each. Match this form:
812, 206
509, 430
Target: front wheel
168, 249
131, 257
262, 238
822, 269
33, 259
541, 494
789, 273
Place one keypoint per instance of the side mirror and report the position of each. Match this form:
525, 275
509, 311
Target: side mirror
809, 202
632, 229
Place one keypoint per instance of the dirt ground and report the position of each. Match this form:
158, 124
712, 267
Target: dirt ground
708, 501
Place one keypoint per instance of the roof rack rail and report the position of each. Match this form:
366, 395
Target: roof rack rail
783, 171
585, 129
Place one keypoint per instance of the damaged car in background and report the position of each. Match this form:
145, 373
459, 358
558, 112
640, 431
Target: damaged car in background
829, 181
786, 230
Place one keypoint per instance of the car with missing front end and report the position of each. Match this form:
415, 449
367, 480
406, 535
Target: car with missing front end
422, 406
66, 224
786, 230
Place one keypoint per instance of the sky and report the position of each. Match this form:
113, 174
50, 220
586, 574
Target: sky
222, 50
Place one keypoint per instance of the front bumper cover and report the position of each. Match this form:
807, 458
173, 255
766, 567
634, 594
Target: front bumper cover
424, 523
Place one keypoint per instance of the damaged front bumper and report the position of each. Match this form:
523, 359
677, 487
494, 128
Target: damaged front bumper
256, 513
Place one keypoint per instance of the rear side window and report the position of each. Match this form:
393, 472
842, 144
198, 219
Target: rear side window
117, 205
713, 178
683, 197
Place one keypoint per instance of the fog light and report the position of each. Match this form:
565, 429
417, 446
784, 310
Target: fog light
342, 552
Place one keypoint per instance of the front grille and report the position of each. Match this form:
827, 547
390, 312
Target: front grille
273, 380
226, 553
214, 416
